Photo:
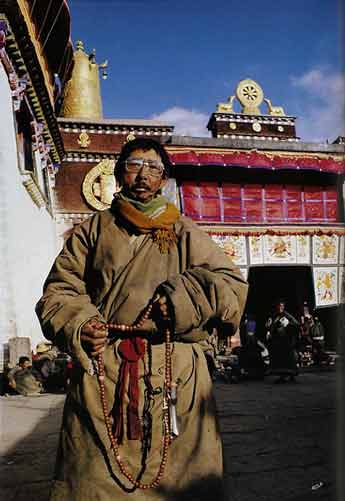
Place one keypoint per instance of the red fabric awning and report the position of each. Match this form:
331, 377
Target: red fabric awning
257, 159
259, 203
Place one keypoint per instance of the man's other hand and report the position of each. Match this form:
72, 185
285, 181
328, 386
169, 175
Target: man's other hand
93, 337
160, 310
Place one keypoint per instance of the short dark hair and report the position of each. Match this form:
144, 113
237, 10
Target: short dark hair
23, 359
142, 143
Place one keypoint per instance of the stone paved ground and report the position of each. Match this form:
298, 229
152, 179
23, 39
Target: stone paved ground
279, 440
29, 435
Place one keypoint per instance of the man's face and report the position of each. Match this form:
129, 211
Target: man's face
142, 185
25, 365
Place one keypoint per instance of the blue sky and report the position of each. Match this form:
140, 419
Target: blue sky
175, 60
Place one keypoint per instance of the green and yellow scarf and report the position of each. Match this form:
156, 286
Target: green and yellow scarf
156, 217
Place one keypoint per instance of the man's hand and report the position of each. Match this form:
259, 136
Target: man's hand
93, 337
284, 322
160, 310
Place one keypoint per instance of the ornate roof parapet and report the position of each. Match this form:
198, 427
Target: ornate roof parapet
49, 27
87, 138
17, 85
250, 95
250, 122
26, 76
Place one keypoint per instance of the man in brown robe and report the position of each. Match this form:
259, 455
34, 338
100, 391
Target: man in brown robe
110, 269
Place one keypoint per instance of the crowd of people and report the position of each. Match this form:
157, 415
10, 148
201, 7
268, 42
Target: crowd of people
47, 370
286, 344
289, 343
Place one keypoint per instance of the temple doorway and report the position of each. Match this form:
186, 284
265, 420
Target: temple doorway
269, 284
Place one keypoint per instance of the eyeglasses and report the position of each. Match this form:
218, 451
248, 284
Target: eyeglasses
134, 165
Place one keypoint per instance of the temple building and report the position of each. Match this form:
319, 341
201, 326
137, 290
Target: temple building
273, 202
36, 57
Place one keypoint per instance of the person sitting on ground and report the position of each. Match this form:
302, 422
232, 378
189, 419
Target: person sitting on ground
22, 378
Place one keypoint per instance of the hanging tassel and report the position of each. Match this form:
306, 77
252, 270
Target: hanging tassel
165, 239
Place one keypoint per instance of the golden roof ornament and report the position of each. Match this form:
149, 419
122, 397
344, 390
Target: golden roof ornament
276, 111
130, 137
250, 95
226, 107
82, 94
99, 185
84, 140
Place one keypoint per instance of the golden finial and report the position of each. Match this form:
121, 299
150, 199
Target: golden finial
82, 94
79, 45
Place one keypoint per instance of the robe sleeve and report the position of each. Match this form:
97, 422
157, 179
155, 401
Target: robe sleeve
66, 305
292, 320
210, 288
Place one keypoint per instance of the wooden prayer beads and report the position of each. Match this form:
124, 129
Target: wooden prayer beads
166, 424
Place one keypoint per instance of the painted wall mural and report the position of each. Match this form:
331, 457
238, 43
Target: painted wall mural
326, 286
234, 247
280, 249
256, 253
293, 249
303, 249
325, 249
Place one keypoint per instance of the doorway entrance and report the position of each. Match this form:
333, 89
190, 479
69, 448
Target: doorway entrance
269, 284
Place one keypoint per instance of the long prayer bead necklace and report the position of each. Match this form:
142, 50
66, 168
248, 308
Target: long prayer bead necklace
167, 387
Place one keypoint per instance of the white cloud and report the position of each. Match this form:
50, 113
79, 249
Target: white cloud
323, 95
186, 122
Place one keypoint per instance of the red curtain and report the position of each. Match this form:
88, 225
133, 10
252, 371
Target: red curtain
254, 203
274, 196
294, 203
232, 204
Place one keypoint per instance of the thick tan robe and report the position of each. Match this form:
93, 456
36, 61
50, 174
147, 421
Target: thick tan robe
102, 272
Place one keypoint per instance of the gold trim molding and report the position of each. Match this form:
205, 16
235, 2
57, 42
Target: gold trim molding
34, 191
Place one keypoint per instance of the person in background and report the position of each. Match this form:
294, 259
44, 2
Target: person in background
283, 330
22, 379
305, 319
317, 334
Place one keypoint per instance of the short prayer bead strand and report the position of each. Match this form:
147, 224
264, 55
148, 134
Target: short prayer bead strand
166, 424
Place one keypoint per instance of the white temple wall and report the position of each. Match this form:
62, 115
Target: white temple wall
27, 237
